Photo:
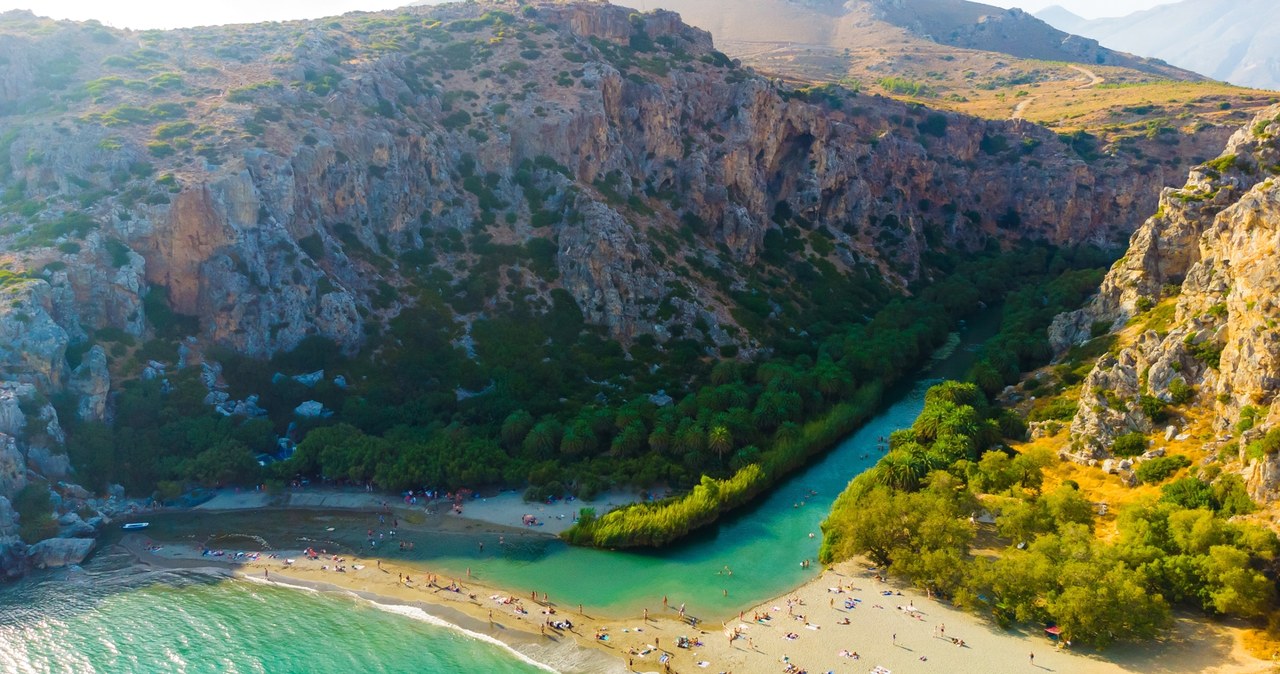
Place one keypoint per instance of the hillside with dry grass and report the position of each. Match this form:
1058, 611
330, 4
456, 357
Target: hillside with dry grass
984, 61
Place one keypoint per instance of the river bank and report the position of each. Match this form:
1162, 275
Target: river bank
888, 625
506, 508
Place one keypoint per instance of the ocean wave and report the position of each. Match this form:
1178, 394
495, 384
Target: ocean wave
415, 613
420, 615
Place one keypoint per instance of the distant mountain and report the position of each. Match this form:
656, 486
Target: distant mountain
901, 26
1062, 18
1228, 40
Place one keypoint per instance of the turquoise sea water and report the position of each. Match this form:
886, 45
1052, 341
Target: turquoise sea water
120, 620
114, 618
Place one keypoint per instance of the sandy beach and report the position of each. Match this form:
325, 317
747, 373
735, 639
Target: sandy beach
888, 625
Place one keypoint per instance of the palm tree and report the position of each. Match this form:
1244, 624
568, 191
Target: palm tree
902, 469
720, 441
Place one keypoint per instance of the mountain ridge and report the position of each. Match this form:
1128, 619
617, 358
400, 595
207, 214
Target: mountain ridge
1225, 41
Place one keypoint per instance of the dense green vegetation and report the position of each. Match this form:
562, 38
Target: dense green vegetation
1023, 341
161, 441
913, 514
35, 513
548, 401
896, 339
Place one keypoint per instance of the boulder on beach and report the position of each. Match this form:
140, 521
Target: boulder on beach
55, 553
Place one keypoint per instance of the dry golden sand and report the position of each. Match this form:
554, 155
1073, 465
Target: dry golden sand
880, 632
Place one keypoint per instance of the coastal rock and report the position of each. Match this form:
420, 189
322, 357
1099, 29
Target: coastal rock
71, 526
72, 490
13, 558
55, 553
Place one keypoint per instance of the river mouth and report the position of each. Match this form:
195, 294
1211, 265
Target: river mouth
751, 556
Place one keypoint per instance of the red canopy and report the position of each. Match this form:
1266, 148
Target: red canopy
1053, 630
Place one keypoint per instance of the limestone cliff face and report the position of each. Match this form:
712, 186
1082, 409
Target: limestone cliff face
32, 344
274, 196
1213, 244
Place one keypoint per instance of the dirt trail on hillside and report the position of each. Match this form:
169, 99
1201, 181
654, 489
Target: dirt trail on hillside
1020, 110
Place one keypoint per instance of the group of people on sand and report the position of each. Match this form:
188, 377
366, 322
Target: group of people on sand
840, 596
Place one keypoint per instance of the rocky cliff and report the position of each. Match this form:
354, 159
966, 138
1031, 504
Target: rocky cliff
272, 187
1202, 276
253, 186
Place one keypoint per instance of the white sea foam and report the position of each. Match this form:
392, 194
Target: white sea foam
422, 616
267, 581
418, 614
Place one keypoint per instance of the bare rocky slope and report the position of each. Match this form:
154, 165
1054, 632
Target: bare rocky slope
956, 23
985, 61
251, 186
1202, 274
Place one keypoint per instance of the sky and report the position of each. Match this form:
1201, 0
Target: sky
181, 13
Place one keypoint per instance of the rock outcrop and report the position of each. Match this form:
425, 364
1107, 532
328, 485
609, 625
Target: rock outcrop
1211, 248
12, 419
13, 467
91, 382
55, 553
32, 345
13, 558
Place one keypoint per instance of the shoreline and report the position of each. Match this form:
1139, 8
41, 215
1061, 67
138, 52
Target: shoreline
507, 508
898, 631
372, 582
